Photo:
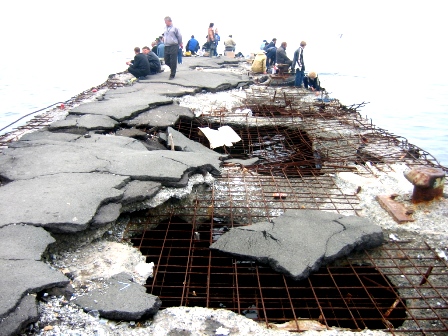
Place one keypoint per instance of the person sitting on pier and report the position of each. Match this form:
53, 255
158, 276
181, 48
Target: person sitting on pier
312, 82
283, 60
259, 63
154, 61
139, 67
154, 45
161, 49
229, 44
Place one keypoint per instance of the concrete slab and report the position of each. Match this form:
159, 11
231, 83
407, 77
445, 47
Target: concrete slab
44, 134
161, 88
122, 107
205, 80
84, 155
23, 242
61, 202
132, 133
102, 156
121, 300
86, 122
161, 116
20, 277
44, 160
299, 242
164, 166
25, 313
114, 143
137, 191
106, 214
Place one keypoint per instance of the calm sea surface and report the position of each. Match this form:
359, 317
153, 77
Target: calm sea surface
394, 59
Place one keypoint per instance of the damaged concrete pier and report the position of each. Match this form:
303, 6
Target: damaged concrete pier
131, 167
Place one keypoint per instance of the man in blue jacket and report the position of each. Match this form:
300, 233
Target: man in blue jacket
139, 67
192, 45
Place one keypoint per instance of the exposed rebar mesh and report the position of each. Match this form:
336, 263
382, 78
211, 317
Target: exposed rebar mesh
315, 133
400, 286
300, 145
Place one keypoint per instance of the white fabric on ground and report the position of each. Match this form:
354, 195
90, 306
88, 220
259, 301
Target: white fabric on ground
223, 136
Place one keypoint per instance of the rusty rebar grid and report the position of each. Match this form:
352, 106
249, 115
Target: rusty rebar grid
381, 288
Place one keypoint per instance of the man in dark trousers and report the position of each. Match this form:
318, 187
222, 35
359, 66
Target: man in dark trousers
173, 39
139, 67
154, 61
298, 60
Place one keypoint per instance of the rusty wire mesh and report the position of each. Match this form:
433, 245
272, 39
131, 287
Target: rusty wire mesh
399, 287
300, 145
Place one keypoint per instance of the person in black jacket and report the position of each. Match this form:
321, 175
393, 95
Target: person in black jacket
312, 82
154, 61
139, 67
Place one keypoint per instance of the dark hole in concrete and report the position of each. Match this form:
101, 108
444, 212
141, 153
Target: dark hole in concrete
281, 149
188, 273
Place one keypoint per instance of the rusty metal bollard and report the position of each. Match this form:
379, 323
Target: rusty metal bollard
428, 183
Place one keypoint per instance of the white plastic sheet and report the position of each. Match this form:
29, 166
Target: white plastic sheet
223, 136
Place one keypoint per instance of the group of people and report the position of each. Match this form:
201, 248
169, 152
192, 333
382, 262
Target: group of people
148, 62
144, 64
169, 46
213, 39
269, 55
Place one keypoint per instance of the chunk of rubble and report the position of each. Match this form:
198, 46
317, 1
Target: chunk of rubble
300, 241
23, 242
61, 202
122, 299
20, 277
106, 214
25, 313
132, 133
161, 116
22, 272
137, 191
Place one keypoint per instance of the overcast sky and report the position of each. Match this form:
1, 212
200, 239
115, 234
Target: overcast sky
399, 30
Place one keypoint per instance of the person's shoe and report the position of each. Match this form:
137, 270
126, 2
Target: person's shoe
142, 78
171, 77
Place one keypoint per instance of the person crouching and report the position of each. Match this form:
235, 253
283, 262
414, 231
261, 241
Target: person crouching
259, 63
139, 67
312, 82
